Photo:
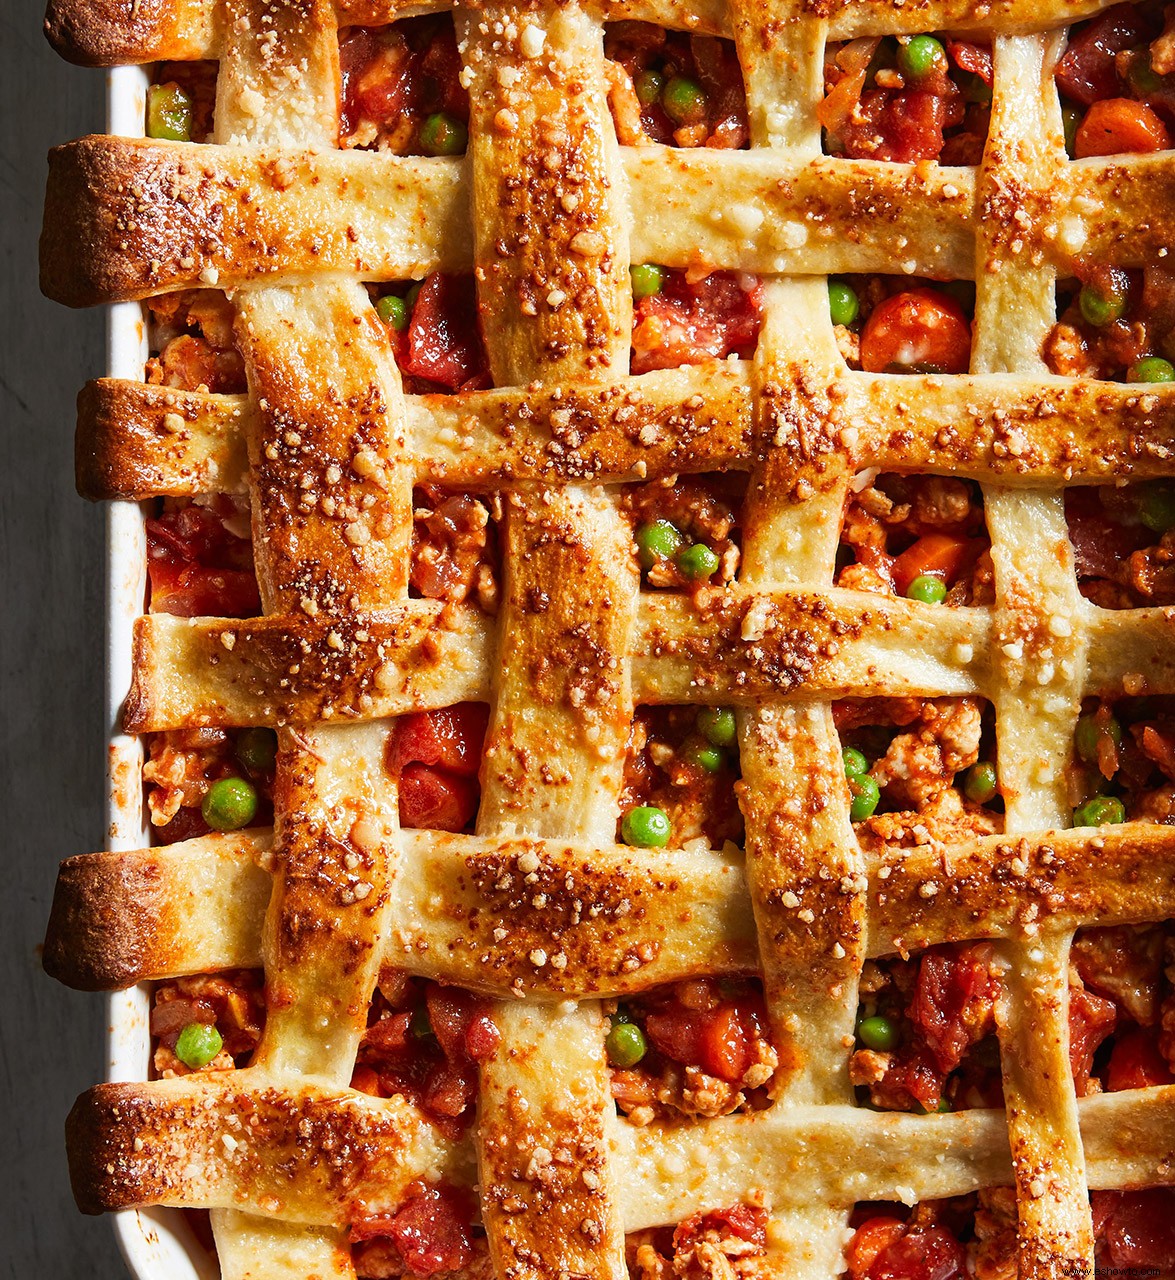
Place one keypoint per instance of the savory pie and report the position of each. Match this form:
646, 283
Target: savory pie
657, 688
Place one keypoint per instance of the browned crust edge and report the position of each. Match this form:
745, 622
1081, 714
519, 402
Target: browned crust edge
102, 925
107, 33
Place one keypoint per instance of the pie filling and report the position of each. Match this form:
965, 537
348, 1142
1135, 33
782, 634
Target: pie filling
916, 764
690, 317
679, 779
926, 1025
974, 1237
676, 89
435, 755
908, 98
1124, 543
696, 1048
1115, 325
922, 537
1117, 81
721, 1244
902, 324
686, 530
1124, 762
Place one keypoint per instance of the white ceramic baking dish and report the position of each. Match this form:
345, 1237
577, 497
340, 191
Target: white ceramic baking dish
158, 1243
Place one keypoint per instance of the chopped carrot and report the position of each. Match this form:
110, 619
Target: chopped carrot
1114, 125
934, 555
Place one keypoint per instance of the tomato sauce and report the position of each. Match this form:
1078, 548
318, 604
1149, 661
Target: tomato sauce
435, 756
872, 110
394, 78
676, 89
424, 1042
200, 559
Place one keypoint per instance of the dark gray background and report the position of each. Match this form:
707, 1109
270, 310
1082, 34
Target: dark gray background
51, 664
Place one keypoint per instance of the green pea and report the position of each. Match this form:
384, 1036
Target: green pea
441, 135
866, 796
1099, 811
1101, 307
256, 749
649, 85
855, 762
1143, 77
684, 101
704, 756
420, 1027
697, 562
928, 589
1088, 735
412, 294
878, 1033
169, 113
658, 540
717, 725
842, 302
1070, 122
198, 1044
393, 311
625, 1044
944, 1105
1156, 505
1152, 369
230, 803
646, 827
647, 280
980, 782
921, 57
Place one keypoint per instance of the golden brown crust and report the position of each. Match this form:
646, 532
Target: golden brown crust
540, 907
107, 33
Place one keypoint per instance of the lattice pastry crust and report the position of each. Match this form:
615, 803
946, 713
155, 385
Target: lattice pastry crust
549, 211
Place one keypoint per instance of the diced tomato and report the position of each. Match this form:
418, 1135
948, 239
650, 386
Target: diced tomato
444, 342
1115, 125
1136, 1062
901, 127
431, 1230
1135, 1228
198, 568
975, 58
954, 1003
689, 322
920, 330
718, 1040
436, 755
461, 1023
930, 1253
935, 555
436, 800
871, 1239
1088, 70
376, 80
746, 1221
450, 738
